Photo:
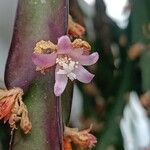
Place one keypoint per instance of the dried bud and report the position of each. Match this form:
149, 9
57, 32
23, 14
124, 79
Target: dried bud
82, 138
12, 120
75, 29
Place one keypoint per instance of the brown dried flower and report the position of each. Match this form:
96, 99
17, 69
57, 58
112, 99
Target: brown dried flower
13, 110
67, 144
82, 138
135, 50
75, 29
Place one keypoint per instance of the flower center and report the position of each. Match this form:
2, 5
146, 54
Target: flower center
67, 67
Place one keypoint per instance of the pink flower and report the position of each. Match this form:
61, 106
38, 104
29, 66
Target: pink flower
69, 63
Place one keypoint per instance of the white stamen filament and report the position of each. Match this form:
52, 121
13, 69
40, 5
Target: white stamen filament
67, 67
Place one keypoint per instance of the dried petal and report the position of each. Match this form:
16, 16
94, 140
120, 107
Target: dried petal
67, 144
7, 101
25, 124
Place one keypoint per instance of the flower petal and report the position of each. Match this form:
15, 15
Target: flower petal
60, 82
64, 45
83, 75
44, 60
85, 59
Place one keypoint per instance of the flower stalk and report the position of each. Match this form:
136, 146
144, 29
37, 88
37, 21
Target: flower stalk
36, 20
61, 63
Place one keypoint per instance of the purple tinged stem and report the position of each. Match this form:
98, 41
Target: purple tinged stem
37, 20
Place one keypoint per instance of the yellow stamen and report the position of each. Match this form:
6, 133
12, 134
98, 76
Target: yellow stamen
79, 43
44, 45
